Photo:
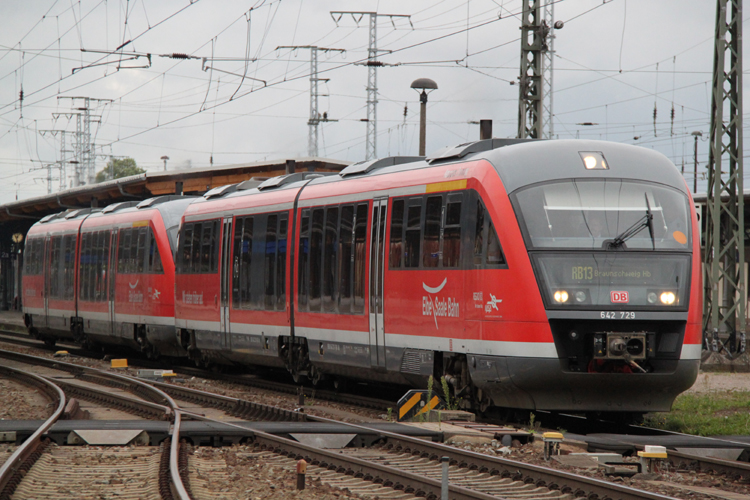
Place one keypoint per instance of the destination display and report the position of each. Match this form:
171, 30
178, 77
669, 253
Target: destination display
613, 279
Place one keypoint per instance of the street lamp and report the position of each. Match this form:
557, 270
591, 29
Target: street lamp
165, 158
696, 134
423, 84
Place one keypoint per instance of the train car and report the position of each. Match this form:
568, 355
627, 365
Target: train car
49, 276
110, 277
126, 275
555, 275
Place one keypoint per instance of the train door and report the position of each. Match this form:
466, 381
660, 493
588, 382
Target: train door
226, 281
377, 265
46, 269
111, 279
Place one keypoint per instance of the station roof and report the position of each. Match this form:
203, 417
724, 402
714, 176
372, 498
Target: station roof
194, 181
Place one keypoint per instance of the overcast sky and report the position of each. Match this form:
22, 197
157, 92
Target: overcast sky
615, 64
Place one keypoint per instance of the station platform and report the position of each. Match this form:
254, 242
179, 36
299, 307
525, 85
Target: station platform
11, 320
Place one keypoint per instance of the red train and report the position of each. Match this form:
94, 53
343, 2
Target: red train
556, 275
105, 276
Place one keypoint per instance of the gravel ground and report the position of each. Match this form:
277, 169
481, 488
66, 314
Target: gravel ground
533, 453
21, 402
241, 472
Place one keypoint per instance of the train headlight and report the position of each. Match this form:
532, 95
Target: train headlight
651, 297
580, 296
561, 296
667, 298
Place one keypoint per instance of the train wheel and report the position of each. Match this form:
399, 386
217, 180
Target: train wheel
340, 384
316, 377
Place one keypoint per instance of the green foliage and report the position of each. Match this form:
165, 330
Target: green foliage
117, 168
717, 413
390, 415
533, 424
430, 383
450, 404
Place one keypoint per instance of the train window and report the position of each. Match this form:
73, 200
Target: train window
69, 243
479, 234
316, 247
346, 258
54, 271
236, 252
452, 233
207, 248
245, 261
281, 263
140, 248
84, 267
155, 264
360, 254
412, 239
431, 240
487, 250
304, 260
195, 249
270, 263
330, 248
103, 274
396, 247
184, 250
494, 252
123, 251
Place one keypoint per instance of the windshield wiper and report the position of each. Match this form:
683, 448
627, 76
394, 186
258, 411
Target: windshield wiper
645, 221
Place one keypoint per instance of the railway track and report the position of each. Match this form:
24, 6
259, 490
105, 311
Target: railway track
246, 380
409, 465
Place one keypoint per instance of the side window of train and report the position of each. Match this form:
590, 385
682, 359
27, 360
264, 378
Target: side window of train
451, 230
198, 250
184, 250
303, 263
432, 242
345, 264
332, 259
487, 250
69, 266
396, 243
413, 237
54, 267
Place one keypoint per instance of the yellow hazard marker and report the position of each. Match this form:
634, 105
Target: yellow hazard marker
415, 403
119, 363
61, 354
552, 442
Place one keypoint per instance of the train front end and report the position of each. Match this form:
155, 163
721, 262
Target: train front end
613, 242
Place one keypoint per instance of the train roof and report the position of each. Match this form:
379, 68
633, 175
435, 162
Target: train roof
518, 162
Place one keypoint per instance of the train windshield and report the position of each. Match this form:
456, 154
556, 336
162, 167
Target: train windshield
604, 214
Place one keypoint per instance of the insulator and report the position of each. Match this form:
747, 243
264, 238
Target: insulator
178, 55
374, 63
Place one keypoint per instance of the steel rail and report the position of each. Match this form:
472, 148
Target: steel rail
736, 470
542, 476
12, 465
159, 395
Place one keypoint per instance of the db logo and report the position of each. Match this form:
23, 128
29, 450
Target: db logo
618, 297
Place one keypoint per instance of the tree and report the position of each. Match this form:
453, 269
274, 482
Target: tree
119, 167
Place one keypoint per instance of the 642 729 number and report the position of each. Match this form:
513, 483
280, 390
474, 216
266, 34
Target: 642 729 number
617, 315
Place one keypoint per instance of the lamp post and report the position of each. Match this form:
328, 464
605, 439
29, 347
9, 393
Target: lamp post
164, 159
696, 134
423, 84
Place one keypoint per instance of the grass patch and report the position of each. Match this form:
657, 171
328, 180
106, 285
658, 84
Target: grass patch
711, 414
